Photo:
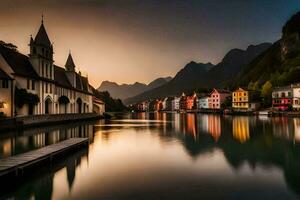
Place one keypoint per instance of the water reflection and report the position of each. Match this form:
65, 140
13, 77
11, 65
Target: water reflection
240, 128
27, 140
133, 159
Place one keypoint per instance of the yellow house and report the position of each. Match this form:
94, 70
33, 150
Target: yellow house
243, 99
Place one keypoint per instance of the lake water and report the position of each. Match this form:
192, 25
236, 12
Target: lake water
166, 156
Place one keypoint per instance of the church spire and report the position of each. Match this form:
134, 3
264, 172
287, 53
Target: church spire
41, 37
70, 66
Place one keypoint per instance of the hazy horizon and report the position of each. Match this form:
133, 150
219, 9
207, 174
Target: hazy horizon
138, 40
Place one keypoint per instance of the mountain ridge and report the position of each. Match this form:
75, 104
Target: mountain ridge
123, 91
204, 75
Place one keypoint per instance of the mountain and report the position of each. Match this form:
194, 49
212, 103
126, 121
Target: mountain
280, 64
204, 75
128, 90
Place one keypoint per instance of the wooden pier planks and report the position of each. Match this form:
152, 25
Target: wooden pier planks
26, 159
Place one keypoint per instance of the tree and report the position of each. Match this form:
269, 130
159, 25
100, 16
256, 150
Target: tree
23, 97
250, 85
9, 46
266, 93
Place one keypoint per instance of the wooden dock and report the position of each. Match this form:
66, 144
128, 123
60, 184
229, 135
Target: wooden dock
22, 164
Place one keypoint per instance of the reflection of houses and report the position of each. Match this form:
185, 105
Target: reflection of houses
191, 122
54, 89
214, 126
41, 186
240, 129
296, 129
43, 137
244, 100
282, 127
282, 98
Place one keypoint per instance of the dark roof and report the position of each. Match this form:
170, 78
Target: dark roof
18, 62
282, 88
61, 78
41, 37
3, 75
70, 63
221, 90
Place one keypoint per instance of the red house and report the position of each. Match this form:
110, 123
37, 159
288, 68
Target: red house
282, 98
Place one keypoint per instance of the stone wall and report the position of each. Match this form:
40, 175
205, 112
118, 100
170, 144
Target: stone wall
54, 118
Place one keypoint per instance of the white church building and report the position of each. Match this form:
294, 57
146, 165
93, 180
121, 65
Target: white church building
34, 85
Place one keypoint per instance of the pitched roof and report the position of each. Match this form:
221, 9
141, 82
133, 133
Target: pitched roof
283, 88
223, 91
18, 62
70, 65
3, 75
41, 37
61, 78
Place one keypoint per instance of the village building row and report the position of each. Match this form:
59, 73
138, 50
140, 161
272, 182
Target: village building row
34, 85
241, 100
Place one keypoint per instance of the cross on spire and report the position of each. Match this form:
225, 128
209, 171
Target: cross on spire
42, 18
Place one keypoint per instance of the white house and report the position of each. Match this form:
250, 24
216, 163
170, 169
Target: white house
176, 103
296, 95
203, 102
58, 89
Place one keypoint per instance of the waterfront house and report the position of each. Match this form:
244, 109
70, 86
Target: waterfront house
182, 102
169, 106
176, 103
203, 100
37, 86
296, 96
164, 103
155, 105
245, 100
282, 98
217, 98
191, 102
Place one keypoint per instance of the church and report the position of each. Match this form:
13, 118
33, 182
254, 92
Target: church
34, 85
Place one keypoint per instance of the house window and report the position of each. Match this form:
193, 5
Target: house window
282, 94
4, 83
46, 87
33, 84
289, 94
28, 84
47, 70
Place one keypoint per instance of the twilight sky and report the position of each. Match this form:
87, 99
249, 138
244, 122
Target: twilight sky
140, 40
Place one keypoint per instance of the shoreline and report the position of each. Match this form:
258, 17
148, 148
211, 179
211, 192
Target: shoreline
25, 122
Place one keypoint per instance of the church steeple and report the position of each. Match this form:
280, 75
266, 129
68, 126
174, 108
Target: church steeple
41, 37
70, 66
41, 53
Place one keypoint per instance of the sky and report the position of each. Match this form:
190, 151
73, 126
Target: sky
126, 41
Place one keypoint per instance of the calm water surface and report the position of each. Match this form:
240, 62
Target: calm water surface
166, 156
